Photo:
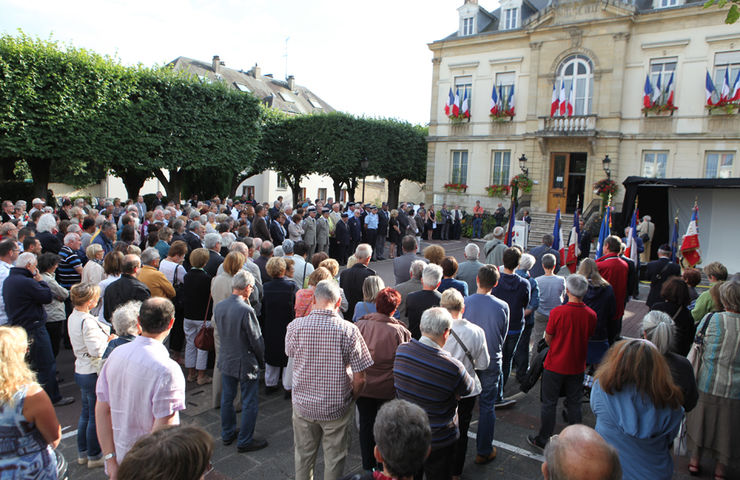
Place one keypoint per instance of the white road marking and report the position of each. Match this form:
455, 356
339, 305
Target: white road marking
72, 433
512, 449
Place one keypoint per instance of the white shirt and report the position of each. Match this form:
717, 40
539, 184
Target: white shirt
168, 269
89, 339
475, 340
298, 274
102, 285
4, 272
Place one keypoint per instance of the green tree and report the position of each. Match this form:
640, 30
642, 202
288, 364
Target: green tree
733, 14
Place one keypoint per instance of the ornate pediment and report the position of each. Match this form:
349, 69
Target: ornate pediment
565, 12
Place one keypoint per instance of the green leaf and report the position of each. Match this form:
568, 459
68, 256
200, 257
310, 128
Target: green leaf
733, 14
721, 3
709, 3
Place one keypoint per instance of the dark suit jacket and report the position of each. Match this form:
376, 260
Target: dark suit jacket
214, 261
416, 303
538, 253
382, 224
341, 234
355, 229
351, 281
259, 229
262, 263
653, 273
276, 233
121, 291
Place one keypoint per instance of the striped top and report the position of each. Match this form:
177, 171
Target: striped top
719, 374
66, 273
430, 377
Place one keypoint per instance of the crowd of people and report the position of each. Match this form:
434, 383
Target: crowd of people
142, 293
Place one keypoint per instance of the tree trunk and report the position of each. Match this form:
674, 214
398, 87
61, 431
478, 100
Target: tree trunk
173, 185
394, 188
352, 186
337, 189
40, 170
133, 180
7, 165
295, 187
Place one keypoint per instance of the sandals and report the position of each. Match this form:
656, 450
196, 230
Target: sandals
694, 469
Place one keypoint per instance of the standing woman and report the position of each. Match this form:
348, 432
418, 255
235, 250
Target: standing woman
394, 232
295, 231
198, 308
713, 427
172, 268
93, 271
28, 422
112, 268
430, 221
89, 338
599, 298
278, 310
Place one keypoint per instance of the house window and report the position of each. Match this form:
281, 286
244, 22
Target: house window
661, 70
653, 164
248, 191
511, 16
577, 70
723, 62
281, 183
468, 26
504, 84
500, 170
343, 195
719, 165
303, 195
459, 167
668, 3
322, 194
463, 85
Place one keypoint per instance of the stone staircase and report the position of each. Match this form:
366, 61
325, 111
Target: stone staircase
542, 223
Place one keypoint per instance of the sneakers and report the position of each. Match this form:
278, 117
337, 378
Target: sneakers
535, 442
483, 459
229, 441
204, 380
95, 463
81, 460
64, 401
255, 444
505, 403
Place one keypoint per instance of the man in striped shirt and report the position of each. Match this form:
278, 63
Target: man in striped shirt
69, 271
430, 377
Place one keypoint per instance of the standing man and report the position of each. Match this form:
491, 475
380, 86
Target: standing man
25, 293
355, 229
351, 279
446, 222
467, 271
259, 225
240, 357
402, 263
9, 252
418, 302
140, 207
342, 239
105, 237
383, 219
567, 334
494, 249
69, 271
616, 272
658, 272
322, 231
499, 214
309, 231
408, 287
540, 251
427, 375
456, 216
140, 388
552, 294
477, 220
329, 362
371, 226
126, 288
646, 231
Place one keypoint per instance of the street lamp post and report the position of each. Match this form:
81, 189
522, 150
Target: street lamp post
523, 165
363, 165
606, 163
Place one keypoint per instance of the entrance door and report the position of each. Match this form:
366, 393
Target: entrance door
567, 181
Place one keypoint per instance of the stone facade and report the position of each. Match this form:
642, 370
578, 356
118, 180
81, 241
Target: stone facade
612, 47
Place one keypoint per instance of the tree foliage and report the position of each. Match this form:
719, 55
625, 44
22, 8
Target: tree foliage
733, 14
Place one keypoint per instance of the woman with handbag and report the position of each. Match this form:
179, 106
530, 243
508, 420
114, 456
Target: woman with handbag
89, 338
172, 268
713, 427
278, 310
197, 311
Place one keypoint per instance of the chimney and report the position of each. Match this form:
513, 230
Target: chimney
216, 64
291, 83
257, 71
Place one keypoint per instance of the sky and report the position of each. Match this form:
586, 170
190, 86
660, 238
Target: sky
364, 58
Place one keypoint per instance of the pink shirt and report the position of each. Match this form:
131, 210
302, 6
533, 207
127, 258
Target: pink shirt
141, 383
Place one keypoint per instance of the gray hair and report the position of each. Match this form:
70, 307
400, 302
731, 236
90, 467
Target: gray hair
370, 288
69, 237
548, 261
658, 328
403, 436
417, 267
241, 280
194, 225
211, 240
74, 228
149, 255
472, 251
46, 223
240, 247
432, 275
559, 446
25, 259
327, 291
729, 294
288, 246
577, 285
435, 320
126, 317
526, 262
177, 224
227, 238
363, 251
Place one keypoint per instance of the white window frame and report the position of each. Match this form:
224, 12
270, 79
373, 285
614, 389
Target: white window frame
667, 3
322, 193
464, 84
714, 160
584, 82
468, 26
663, 67
459, 167
722, 61
655, 163
504, 83
500, 167
282, 184
510, 18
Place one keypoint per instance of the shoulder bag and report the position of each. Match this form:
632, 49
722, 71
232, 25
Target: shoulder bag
204, 339
697, 348
464, 347
179, 298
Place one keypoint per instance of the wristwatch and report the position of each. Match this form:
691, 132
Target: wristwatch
109, 456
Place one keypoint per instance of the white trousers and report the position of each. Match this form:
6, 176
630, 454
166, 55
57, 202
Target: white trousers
272, 375
194, 357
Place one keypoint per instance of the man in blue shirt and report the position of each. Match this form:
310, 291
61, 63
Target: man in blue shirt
492, 315
371, 227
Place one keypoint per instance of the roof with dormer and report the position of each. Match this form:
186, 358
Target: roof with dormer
271, 91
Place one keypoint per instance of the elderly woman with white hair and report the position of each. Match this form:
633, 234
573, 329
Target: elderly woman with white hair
126, 324
93, 271
370, 288
521, 354
46, 233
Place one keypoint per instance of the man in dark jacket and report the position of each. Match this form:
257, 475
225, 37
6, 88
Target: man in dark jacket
259, 225
25, 294
383, 218
125, 288
355, 229
351, 280
658, 272
213, 244
427, 297
342, 239
541, 251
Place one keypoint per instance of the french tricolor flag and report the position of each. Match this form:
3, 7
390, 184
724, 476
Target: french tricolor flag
735, 93
709, 89
570, 107
690, 242
494, 101
657, 93
571, 258
725, 93
557, 234
449, 102
631, 250
561, 99
647, 98
510, 102
465, 106
456, 104
669, 89
555, 105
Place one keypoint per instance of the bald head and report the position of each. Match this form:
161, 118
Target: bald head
579, 453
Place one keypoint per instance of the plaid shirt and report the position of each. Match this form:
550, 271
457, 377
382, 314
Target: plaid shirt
326, 349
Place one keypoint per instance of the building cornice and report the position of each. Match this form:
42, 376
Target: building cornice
463, 65
507, 60
667, 43
722, 38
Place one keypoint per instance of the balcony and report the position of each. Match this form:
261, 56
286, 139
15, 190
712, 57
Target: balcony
577, 125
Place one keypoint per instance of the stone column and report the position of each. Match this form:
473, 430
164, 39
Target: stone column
618, 69
534, 72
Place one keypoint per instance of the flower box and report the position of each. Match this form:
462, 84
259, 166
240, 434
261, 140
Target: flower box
500, 191
456, 187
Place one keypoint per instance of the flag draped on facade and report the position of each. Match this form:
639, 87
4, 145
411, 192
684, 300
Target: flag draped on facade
494, 101
456, 104
555, 105
669, 89
657, 92
724, 94
510, 102
465, 105
561, 99
690, 242
709, 89
574, 239
735, 92
448, 103
647, 97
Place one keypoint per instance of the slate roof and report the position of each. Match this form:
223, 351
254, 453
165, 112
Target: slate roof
271, 91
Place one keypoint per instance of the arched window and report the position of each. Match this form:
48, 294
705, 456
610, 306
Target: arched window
578, 71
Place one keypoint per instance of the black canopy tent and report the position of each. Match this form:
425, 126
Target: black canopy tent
652, 196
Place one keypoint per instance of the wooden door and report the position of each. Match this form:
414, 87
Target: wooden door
558, 186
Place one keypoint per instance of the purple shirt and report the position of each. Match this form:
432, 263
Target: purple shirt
141, 383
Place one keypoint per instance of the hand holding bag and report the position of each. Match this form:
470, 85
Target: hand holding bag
204, 339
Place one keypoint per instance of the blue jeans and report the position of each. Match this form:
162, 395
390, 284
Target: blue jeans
87, 437
512, 340
250, 404
487, 415
477, 224
43, 361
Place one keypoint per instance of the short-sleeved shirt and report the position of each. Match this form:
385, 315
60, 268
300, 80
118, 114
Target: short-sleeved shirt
478, 211
66, 273
323, 345
371, 220
141, 383
571, 325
